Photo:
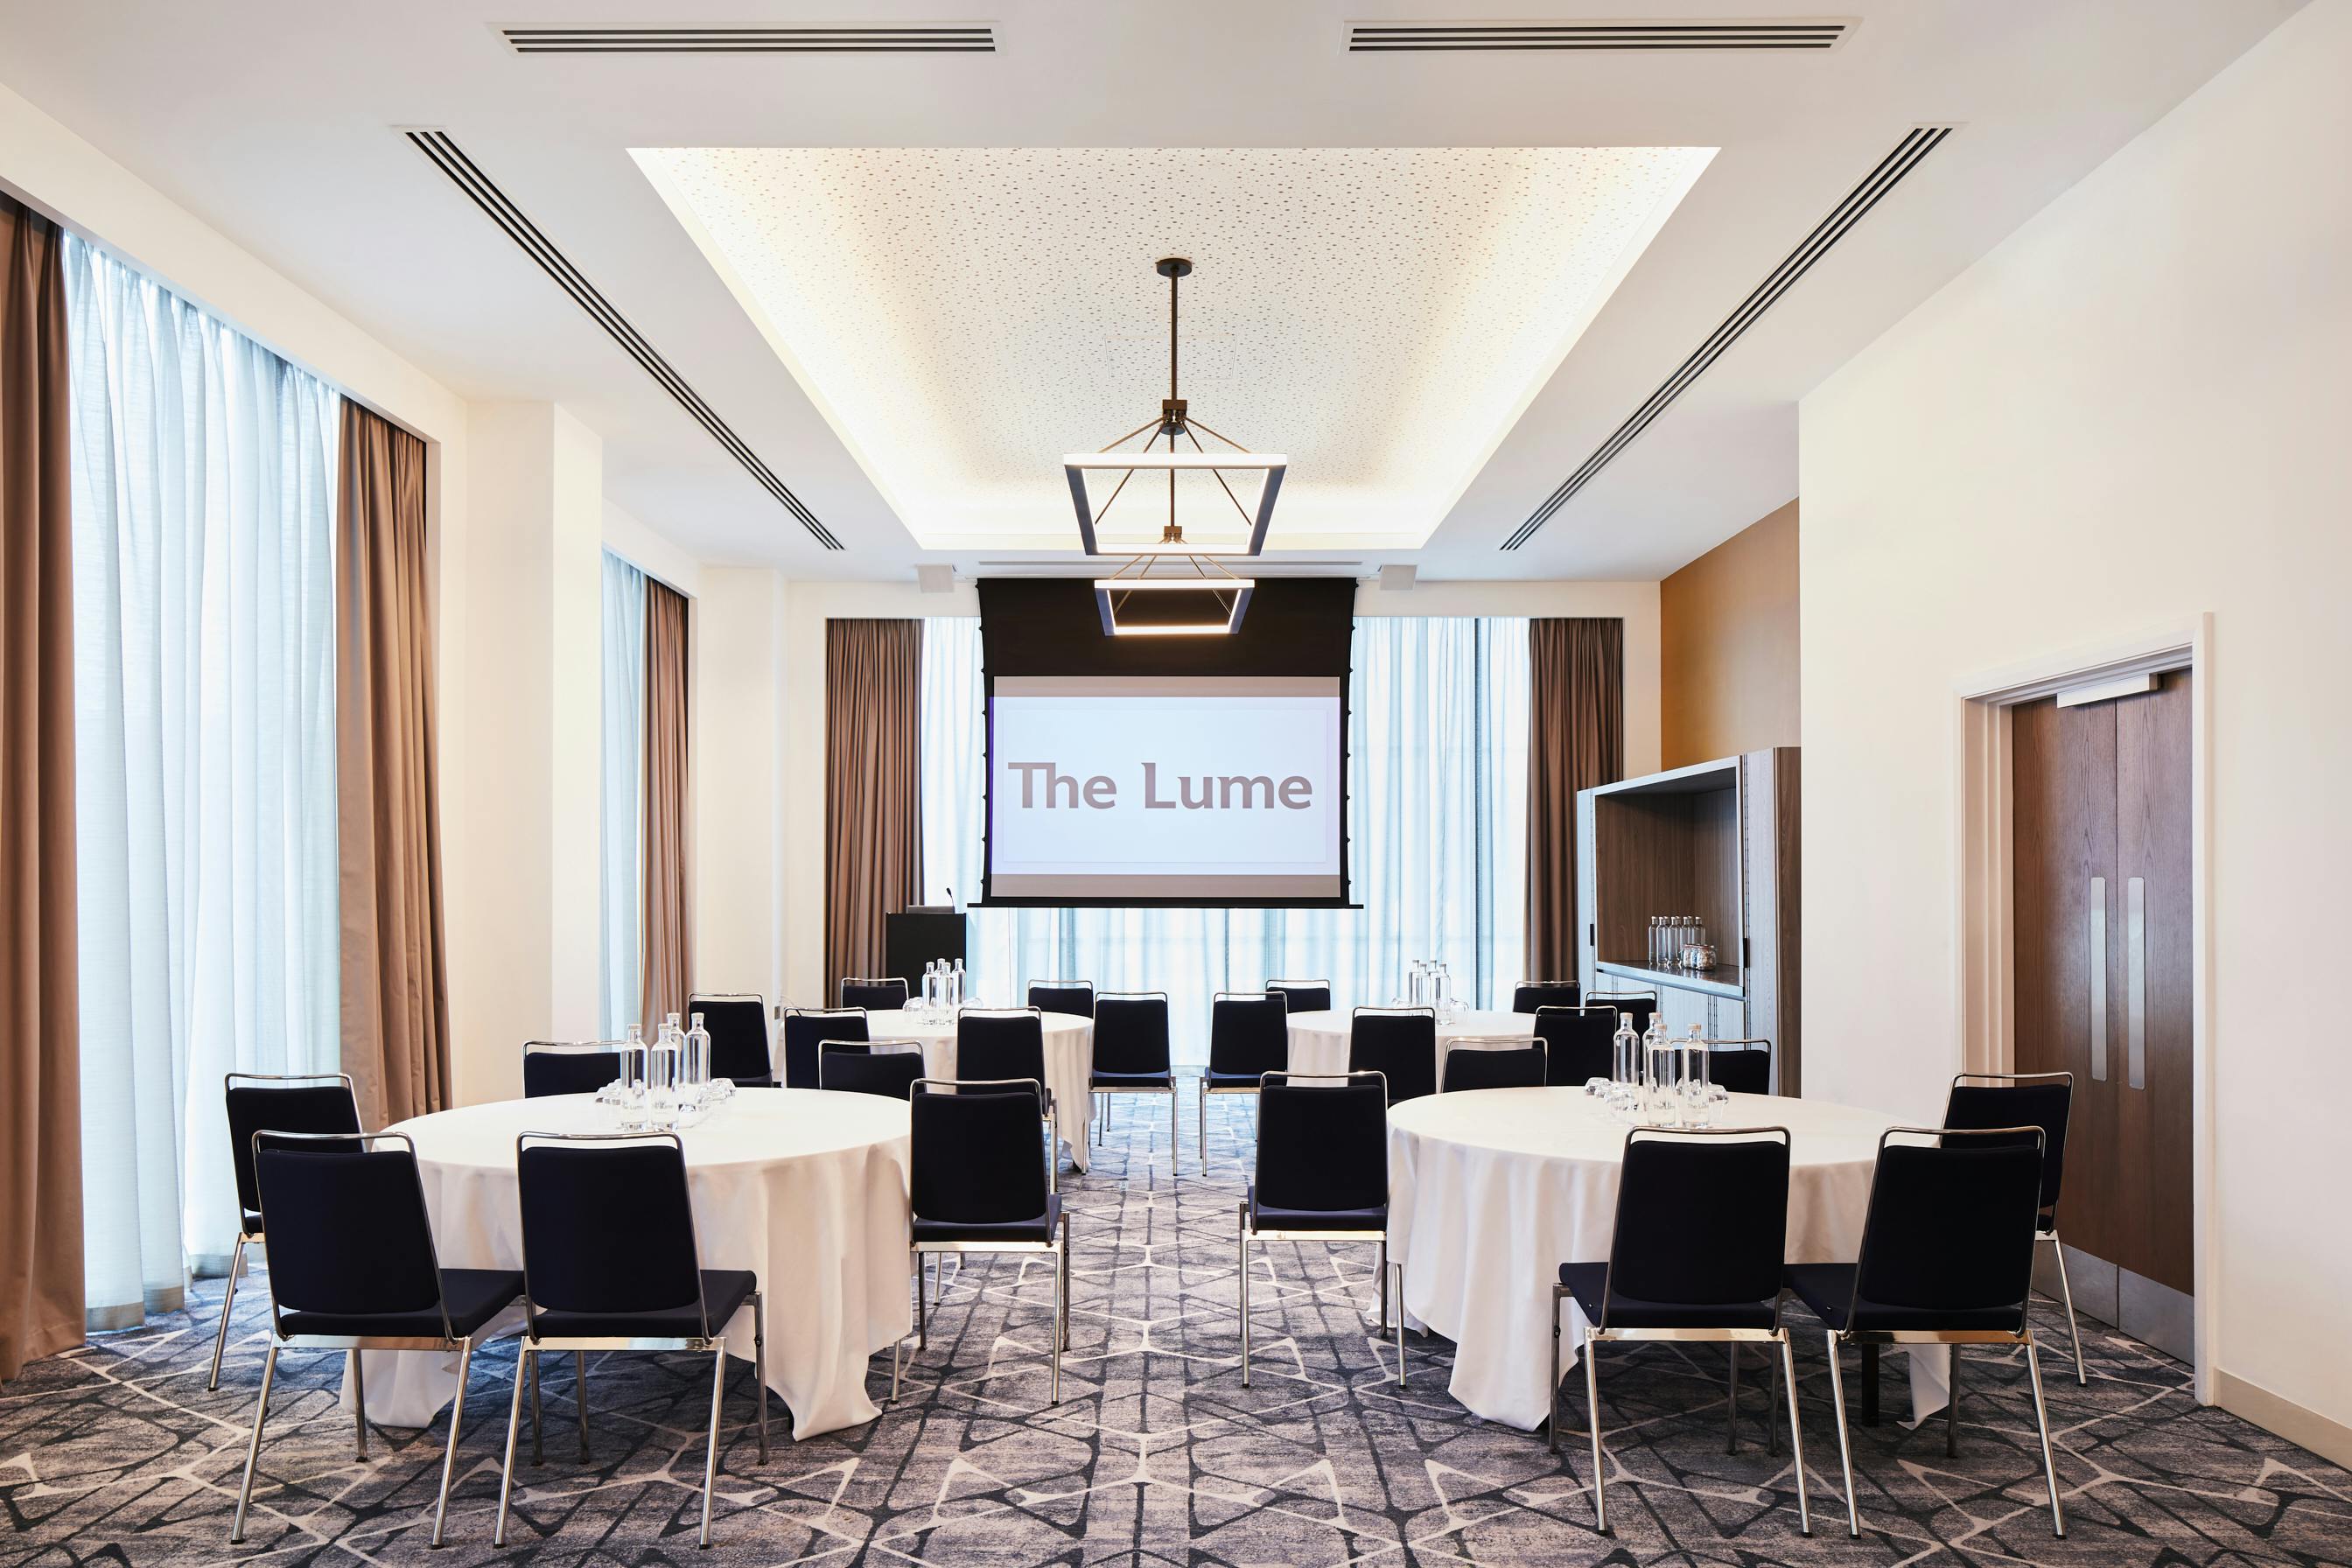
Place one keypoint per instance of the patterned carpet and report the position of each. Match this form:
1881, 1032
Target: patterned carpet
1158, 1455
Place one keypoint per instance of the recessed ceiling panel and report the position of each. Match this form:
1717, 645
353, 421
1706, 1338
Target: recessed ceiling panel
966, 316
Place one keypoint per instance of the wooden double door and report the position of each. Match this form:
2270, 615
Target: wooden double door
2102, 921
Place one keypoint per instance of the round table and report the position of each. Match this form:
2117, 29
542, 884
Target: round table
805, 1188
1069, 1063
1489, 1193
1319, 1041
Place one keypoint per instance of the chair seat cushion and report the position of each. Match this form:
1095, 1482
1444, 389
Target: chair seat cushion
1038, 1230
474, 1296
1585, 1281
1214, 1080
1118, 1081
724, 1292
1827, 1290
1265, 1216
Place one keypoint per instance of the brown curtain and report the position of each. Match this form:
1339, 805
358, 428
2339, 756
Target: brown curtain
873, 698
388, 829
1576, 739
40, 1036
666, 984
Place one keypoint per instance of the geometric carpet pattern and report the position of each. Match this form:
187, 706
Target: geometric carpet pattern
1157, 1456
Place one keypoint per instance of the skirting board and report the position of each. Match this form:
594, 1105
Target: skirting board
2276, 1413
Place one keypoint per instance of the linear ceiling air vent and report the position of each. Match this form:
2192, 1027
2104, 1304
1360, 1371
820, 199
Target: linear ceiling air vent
1914, 146
821, 40
452, 160
1406, 37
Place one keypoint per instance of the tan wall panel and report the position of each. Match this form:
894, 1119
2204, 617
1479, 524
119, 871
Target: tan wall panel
1727, 645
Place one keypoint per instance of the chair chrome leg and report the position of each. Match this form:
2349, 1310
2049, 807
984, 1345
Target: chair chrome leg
1066, 1305
358, 1370
514, 1420
229, 1299
580, 1371
1593, 1407
1552, 1420
1731, 1403
1241, 1251
1400, 1323
2073, 1329
449, 1455
1060, 1328
710, 1444
1788, 1363
1384, 1282
2041, 1421
1201, 1134
1772, 1431
1952, 1410
760, 1366
538, 1449
1845, 1446
923, 1300
253, 1447
1172, 1161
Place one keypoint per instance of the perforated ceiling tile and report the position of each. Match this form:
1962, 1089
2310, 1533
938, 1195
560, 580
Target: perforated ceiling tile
965, 316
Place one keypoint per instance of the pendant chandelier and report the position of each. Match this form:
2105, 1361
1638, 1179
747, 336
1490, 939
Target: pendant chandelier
1173, 590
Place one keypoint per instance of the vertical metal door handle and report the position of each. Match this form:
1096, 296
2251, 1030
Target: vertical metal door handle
2099, 979
2136, 982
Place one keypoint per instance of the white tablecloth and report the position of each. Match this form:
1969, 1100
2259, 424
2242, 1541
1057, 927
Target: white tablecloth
806, 1189
1069, 1064
1490, 1192
1319, 1041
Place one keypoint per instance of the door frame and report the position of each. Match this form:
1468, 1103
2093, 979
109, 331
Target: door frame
1983, 845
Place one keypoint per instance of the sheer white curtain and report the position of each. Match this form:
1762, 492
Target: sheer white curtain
204, 478
622, 877
1437, 769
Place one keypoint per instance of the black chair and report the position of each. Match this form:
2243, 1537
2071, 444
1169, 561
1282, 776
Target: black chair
1322, 1175
1946, 1258
1530, 994
1132, 1054
1304, 995
860, 1069
568, 1067
1743, 1067
1249, 1036
976, 1185
883, 994
289, 1102
806, 1028
2043, 1099
998, 1044
1639, 1006
1076, 997
1578, 1042
1398, 1043
1471, 1064
740, 1050
352, 1267
1701, 1228
610, 1262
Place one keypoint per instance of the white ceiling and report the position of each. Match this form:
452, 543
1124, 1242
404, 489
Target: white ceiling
274, 121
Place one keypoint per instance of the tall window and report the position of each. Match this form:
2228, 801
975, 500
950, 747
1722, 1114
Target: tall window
1437, 769
204, 478
622, 876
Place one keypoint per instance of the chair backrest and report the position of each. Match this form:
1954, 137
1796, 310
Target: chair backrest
1743, 1067
567, 1067
740, 1050
859, 1069
2043, 1099
976, 1156
1952, 1221
1638, 1005
1399, 1043
1072, 997
1131, 1032
1702, 1216
1304, 995
1001, 1044
1576, 1042
882, 994
344, 1224
293, 1102
806, 1028
1530, 994
1323, 1142
1469, 1066
607, 1224
1249, 1032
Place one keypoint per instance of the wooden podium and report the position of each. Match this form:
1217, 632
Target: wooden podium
917, 937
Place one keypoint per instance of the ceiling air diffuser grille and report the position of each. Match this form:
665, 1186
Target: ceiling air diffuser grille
820, 39
1905, 157
452, 160
1406, 37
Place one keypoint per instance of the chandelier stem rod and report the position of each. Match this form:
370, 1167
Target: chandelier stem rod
1173, 280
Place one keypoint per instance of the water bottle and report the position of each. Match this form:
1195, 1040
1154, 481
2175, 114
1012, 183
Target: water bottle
1691, 1078
955, 986
1625, 1064
929, 1007
1659, 1105
697, 1063
1441, 993
661, 1074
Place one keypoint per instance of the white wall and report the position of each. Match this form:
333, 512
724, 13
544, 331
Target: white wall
2132, 413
